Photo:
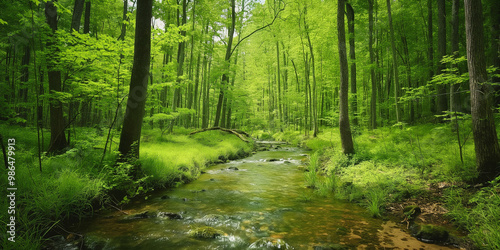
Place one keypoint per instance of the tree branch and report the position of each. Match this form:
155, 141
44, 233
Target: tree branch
253, 32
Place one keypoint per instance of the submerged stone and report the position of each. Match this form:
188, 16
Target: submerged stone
431, 234
270, 243
205, 232
233, 168
172, 216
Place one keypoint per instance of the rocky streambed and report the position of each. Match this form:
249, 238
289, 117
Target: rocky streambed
260, 202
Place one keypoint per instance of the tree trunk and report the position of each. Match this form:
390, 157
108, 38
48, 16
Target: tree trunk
373, 102
77, 15
132, 124
352, 55
394, 62
227, 61
345, 128
57, 124
86, 106
495, 44
312, 93
23, 89
180, 61
124, 18
483, 122
430, 50
442, 104
86, 22
454, 88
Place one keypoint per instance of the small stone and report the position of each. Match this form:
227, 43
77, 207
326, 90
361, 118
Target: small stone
431, 234
233, 168
165, 197
172, 216
205, 232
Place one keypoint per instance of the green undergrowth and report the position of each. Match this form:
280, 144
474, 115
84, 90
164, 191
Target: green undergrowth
390, 163
73, 185
477, 211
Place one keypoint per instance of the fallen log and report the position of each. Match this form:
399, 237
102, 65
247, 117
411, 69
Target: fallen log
238, 133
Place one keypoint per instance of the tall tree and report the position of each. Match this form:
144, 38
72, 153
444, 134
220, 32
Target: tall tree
430, 49
394, 62
227, 61
77, 14
124, 18
352, 55
345, 128
373, 102
481, 94
442, 104
180, 59
454, 87
57, 124
313, 94
132, 124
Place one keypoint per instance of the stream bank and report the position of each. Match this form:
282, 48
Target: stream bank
252, 203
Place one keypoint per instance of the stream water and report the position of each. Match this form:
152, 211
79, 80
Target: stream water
262, 197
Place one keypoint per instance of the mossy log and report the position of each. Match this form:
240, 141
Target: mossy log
239, 133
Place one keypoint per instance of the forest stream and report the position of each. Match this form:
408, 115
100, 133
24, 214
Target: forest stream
249, 203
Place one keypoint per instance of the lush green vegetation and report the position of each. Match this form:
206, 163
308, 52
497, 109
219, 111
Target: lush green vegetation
395, 163
415, 101
73, 185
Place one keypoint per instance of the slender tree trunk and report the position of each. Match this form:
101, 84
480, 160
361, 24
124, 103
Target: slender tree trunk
57, 123
23, 89
180, 61
86, 107
352, 55
430, 51
394, 62
442, 103
454, 88
132, 124
225, 78
373, 102
278, 73
86, 22
345, 128
124, 18
77, 14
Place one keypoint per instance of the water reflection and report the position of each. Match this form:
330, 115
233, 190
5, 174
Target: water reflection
257, 200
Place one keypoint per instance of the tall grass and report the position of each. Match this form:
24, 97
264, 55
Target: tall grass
312, 174
478, 213
180, 158
390, 163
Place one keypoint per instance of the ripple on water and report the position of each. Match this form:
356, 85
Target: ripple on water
259, 202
